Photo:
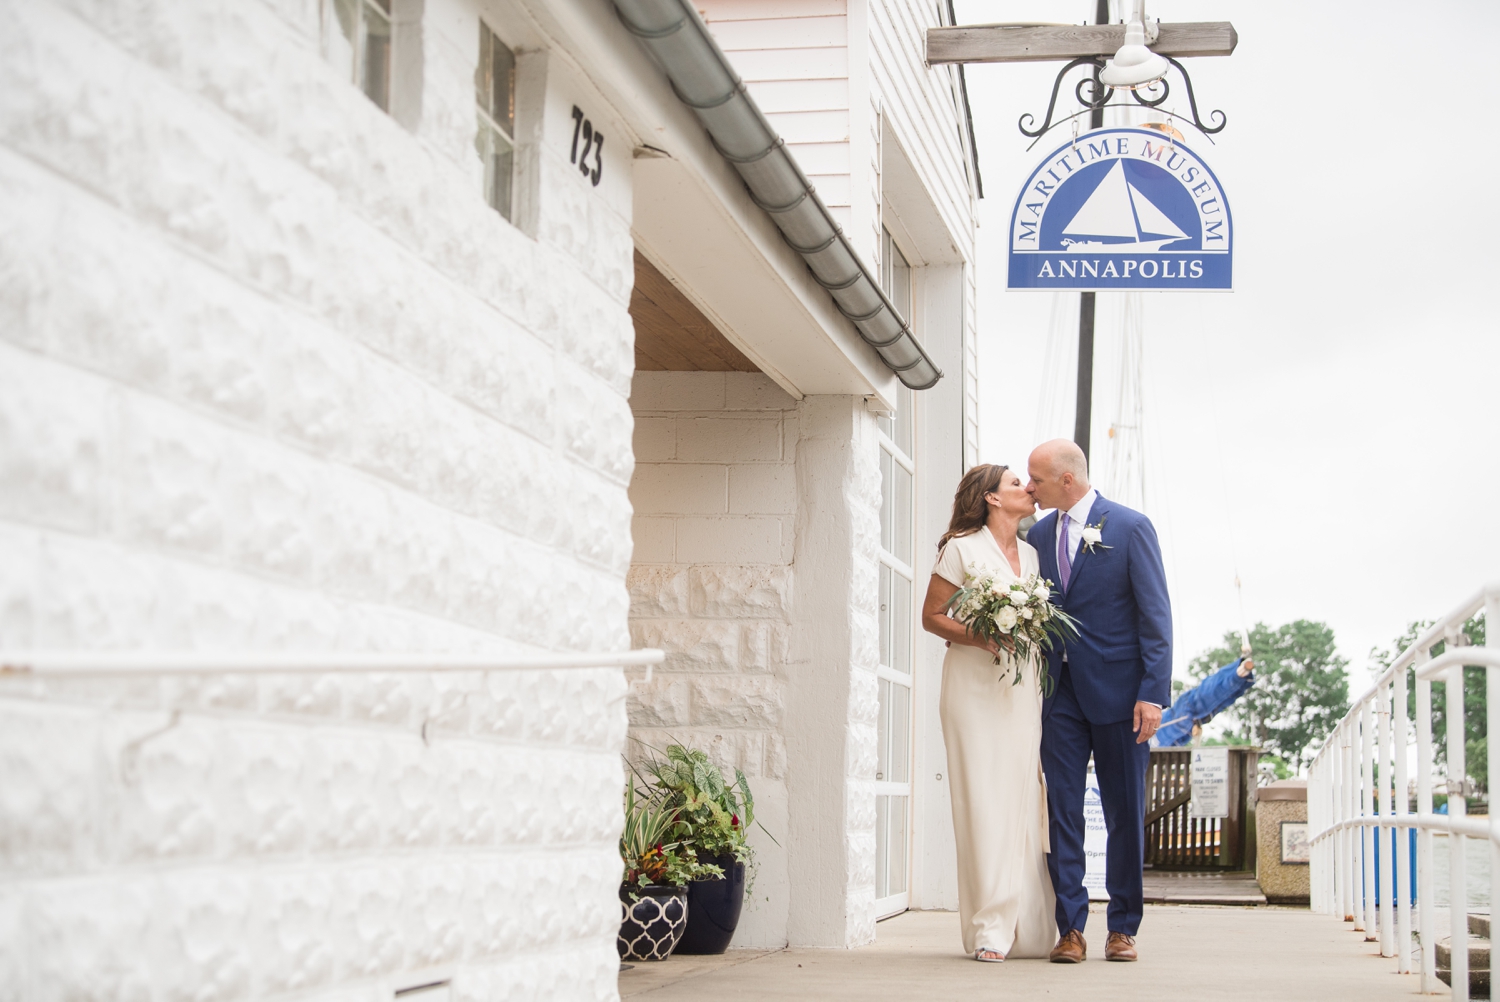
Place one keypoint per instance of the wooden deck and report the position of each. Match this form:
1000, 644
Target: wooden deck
1202, 888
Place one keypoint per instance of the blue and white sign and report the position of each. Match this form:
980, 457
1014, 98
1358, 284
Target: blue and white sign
1128, 209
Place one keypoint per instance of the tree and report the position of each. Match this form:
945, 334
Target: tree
1301, 687
1476, 744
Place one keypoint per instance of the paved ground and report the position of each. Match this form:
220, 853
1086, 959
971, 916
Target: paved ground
1188, 951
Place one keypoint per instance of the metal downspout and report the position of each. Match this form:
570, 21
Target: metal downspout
702, 78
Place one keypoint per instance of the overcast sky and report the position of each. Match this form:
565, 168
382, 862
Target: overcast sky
1331, 427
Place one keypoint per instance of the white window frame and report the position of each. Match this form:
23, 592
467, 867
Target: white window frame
892, 904
333, 32
489, 128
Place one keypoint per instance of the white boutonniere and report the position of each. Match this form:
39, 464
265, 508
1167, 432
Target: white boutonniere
1093, 536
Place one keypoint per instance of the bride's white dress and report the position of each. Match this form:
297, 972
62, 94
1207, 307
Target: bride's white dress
993, 733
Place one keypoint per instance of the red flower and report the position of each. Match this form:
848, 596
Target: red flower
734, 820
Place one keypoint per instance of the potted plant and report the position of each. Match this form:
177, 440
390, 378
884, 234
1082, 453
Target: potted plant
710, 819
653, 891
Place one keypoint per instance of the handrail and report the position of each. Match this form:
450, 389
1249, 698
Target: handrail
1435, 634
75, 663
1352, 803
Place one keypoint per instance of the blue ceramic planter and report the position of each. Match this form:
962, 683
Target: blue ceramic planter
714, 909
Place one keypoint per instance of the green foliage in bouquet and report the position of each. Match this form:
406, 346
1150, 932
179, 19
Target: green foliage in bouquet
650, 853
1018, 616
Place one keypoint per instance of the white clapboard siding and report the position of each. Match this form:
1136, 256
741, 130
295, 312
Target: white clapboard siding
794, 55
923, 109
802, 66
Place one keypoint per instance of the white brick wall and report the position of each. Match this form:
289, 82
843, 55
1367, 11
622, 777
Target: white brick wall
734, 519
714, 494
272, 375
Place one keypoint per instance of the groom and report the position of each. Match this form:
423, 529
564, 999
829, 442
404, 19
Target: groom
1110, 686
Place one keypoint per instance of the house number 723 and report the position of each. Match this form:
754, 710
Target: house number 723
583, 128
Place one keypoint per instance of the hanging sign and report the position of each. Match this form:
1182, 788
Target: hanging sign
1210, 778
1129, 209
1095, 841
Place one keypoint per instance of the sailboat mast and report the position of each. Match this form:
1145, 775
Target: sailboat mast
1084, 416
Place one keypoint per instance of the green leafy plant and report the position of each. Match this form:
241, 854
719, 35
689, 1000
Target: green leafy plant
648, 849
1476, 739
1301, 688
712, 816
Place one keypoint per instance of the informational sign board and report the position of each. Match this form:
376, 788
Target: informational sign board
1131, 209
1210, 783
1294, 846
1095, 839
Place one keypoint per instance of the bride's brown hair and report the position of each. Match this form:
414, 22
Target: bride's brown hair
970, 510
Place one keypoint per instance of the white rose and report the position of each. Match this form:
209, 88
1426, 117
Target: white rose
1027, 614
1043, 592
1006, 618
996, 588
1091, 534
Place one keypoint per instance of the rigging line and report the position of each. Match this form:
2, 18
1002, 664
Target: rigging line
1049, 407
1234, 553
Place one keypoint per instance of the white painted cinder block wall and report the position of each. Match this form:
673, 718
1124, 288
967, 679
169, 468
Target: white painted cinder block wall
273, 376
755, 533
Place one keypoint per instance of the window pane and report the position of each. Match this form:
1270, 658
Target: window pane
503, 87
882, 849
482, 84
897, 745
375, 71
900, 289
341, 34
883, 733
886, 577
495, 80
887, 502
895, 844
895, 508
901, 430
496, 154
900, 623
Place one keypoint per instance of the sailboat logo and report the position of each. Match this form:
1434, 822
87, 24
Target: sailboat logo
1121, 208
1120, 217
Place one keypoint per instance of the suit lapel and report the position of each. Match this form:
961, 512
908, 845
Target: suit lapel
1085, 556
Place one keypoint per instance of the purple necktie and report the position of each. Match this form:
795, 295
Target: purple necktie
1064, 562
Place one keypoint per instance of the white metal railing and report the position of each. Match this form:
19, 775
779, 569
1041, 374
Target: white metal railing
27, 664
1352, 806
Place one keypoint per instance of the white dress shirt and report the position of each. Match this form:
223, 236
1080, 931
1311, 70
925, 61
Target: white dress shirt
1078, 516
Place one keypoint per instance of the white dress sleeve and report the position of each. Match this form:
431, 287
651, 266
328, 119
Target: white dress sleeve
950, 564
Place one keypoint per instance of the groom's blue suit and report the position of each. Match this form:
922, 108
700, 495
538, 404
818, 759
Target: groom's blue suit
1123, 654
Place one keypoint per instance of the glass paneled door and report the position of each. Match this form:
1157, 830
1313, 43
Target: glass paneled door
897, 614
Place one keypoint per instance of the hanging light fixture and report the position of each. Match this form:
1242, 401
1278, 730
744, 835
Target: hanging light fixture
1134, 65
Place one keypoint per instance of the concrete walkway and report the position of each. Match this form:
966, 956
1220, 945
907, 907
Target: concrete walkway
1187, 951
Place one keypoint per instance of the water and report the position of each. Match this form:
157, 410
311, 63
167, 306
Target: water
1476, 872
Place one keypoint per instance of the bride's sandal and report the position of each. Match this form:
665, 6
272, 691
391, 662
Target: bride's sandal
985, 956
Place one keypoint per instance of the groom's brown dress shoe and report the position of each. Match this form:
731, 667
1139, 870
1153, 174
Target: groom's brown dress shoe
1119, 947
1071, 949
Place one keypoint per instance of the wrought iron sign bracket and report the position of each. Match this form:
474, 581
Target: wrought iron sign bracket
1094, 95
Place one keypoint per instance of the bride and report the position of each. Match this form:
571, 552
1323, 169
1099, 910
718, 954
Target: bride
993, 732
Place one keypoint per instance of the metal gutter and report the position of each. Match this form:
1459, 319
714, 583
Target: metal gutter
703, 79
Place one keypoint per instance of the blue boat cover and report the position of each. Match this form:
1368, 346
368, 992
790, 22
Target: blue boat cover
1199, 704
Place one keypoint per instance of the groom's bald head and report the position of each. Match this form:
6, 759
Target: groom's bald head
1059, 474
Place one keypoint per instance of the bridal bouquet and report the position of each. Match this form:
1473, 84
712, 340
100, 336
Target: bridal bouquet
1019, 612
